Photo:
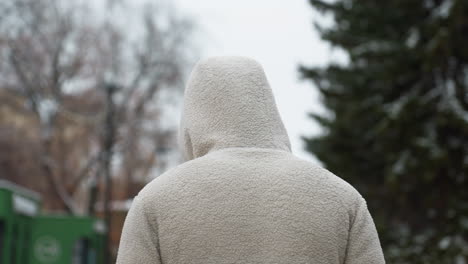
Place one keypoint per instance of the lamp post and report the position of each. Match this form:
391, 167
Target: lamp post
108, 142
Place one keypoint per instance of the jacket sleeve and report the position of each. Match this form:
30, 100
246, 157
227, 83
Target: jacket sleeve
363, 241
139, 240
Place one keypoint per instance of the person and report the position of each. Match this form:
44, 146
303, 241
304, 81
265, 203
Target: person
242, 196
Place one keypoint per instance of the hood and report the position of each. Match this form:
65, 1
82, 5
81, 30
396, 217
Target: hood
229, 103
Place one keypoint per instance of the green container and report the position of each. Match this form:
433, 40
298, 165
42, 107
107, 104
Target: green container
66, 239
27, 237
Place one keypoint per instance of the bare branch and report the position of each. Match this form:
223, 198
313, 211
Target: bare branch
84, 172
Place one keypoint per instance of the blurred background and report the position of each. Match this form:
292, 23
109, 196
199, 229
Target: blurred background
91, 92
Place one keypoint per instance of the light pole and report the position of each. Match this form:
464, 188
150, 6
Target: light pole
108, 141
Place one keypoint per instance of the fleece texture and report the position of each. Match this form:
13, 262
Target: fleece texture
242, 197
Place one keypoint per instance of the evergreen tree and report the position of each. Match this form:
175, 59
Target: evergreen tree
397, 121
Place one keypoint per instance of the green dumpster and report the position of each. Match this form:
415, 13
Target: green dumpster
29, 237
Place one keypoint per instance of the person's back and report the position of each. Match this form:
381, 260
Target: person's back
243, 197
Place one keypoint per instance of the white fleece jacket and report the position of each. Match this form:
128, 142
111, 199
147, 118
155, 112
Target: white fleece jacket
243, 197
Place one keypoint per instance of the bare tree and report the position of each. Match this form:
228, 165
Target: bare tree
55, 58
40, 61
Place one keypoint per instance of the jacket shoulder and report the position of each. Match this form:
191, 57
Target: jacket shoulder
158, 185
336, 186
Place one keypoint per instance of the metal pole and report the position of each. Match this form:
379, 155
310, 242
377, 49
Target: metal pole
108, 143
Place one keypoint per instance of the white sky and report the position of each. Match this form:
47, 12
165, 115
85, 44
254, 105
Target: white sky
277, 33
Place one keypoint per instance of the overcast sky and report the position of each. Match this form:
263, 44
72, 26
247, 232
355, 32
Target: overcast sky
277, 33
